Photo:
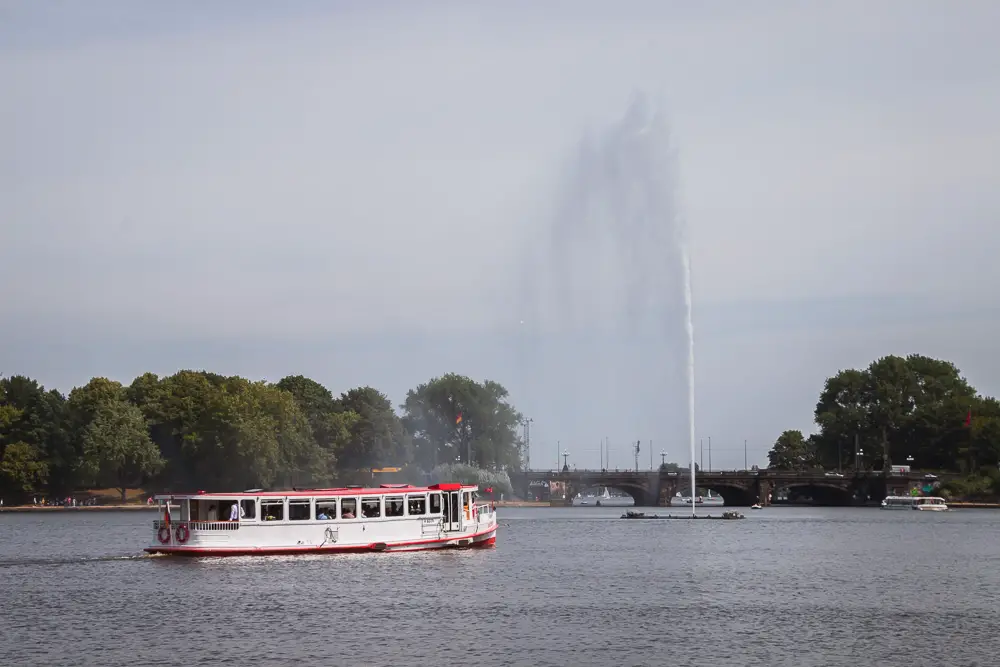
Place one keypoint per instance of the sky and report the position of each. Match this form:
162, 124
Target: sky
368, 194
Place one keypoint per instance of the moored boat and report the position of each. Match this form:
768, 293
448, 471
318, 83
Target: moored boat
392, 517
699, 501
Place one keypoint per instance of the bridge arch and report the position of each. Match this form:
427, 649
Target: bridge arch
821, 493
732, 494
637, 492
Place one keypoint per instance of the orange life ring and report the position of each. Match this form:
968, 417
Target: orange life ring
163, 534
182, 533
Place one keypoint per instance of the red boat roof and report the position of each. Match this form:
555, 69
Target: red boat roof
382, 490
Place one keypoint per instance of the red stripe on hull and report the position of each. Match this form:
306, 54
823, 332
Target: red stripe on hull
422, 545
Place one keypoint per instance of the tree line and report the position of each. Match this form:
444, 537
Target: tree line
200, 430
912, 410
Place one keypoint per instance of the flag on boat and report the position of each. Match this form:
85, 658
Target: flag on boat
458, 419
968, 418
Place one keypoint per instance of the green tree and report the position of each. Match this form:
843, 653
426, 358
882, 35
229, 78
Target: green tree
23, 470
331, 425
377, 437
40, 424
82, 406
792, 451
117, 451
898, 408
488, 429
224, 433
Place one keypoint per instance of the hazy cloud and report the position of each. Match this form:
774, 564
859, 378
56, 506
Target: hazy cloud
352, 191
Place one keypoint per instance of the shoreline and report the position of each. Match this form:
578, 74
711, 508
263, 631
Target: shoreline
79, 508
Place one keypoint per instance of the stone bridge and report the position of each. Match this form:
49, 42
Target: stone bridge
737, 487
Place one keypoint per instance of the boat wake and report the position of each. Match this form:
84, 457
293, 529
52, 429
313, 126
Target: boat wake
35, 562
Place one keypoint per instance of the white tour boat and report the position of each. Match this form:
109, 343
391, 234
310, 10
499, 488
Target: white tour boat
921, 503
392, 517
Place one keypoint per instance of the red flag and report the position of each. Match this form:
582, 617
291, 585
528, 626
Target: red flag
458, 419
968, 418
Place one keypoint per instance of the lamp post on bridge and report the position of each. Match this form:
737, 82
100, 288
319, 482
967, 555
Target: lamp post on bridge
565, 456
663, 459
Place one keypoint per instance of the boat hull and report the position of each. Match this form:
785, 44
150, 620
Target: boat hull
480, 540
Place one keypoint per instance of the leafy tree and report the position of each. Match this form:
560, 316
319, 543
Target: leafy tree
117, 451
377, 437
331, 426
218, 432
488, 428
40, 424
899, 408
23, 470
792, 451
82, 406
22, 467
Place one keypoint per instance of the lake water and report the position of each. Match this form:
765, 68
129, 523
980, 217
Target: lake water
567, 586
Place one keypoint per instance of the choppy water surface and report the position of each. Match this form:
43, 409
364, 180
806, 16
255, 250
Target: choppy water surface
573, 586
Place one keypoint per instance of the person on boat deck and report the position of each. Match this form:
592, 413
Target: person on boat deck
213, 514
322, 516
347, 514
235, 512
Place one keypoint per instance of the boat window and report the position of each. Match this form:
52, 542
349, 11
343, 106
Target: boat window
299, 510
371, 508
348, 508
394, 506
435, 503
326, 509
416, 505
272, 510
248, 508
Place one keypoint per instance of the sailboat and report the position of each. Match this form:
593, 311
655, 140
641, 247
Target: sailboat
605, 497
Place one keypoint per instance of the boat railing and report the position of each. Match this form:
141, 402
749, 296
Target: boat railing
200, 525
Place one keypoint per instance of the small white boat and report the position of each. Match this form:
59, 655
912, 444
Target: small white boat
920, 503
755, 506
392, 517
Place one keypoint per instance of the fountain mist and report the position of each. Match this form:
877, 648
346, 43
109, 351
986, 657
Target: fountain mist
607, 343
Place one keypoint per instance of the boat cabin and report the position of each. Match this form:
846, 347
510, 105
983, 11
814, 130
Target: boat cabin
454, 503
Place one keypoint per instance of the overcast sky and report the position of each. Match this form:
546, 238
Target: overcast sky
352, 191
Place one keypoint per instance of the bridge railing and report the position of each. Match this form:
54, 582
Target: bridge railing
760, 472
